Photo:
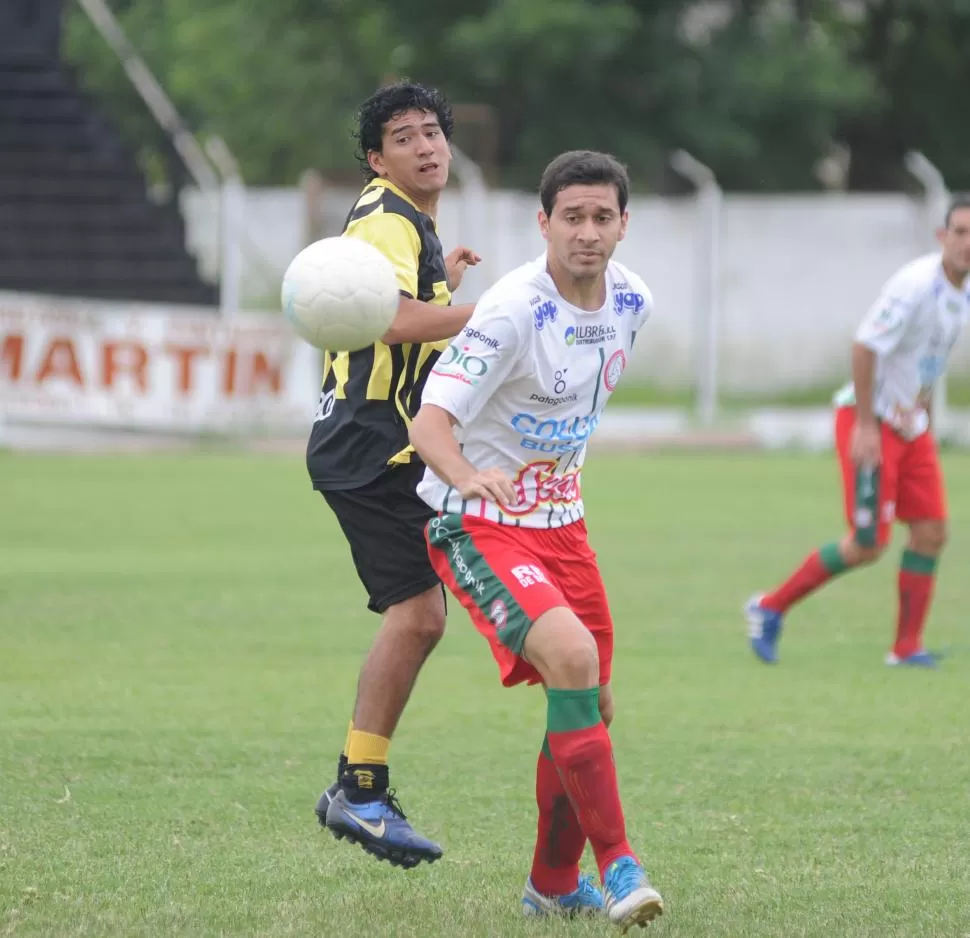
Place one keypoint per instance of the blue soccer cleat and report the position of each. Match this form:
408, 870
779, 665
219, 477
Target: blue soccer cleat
919, 659
629, 897
585, 899
323, 803
382, 829
764, 629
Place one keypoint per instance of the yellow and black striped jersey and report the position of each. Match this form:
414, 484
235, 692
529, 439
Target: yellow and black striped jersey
369, 397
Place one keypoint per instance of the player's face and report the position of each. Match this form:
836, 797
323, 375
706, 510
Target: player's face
955, 239
414, 154
583, 230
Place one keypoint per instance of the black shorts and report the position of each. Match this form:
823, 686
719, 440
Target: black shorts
384, 523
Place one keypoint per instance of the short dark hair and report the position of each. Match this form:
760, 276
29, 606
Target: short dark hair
957, 203
583, 168
385, 104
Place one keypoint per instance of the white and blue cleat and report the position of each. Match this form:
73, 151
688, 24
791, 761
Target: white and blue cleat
585, 899
919, 659
382, 829
764, 629
628, 896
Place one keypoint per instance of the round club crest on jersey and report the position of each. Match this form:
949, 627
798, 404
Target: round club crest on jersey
499, 614
614, 370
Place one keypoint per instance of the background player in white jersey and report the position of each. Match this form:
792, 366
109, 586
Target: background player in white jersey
526, 383
887, 454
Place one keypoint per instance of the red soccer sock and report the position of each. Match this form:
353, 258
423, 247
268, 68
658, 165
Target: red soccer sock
560, 840
916, 579
583, 755
816, 570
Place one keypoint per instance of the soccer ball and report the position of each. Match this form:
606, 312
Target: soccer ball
340, 294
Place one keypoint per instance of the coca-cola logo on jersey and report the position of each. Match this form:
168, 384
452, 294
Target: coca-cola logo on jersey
537, 484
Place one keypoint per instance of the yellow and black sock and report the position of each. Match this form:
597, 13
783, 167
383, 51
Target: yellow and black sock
365, 775
342, 761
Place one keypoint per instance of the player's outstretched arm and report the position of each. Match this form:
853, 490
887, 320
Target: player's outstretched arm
425, 322
434, 441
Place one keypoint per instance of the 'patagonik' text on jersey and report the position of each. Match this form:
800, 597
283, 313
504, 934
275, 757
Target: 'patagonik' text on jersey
912, 327
527, 381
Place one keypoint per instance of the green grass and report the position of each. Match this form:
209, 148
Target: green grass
179, 641
646, 395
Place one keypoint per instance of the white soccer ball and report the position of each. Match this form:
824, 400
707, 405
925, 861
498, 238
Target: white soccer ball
340, 294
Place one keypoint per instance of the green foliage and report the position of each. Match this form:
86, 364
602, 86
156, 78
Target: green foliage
758, 94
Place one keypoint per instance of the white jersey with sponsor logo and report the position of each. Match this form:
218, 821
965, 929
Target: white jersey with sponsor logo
527, 381
912, 327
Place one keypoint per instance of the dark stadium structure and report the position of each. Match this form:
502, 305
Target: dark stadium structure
75, 215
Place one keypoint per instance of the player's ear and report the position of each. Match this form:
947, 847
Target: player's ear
375, 159
624, 221
544, 224
941, 235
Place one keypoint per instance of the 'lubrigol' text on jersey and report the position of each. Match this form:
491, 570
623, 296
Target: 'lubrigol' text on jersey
369, 397
912, 328
527, 381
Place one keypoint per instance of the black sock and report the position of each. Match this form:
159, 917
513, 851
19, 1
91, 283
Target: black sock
341, 767
364, 782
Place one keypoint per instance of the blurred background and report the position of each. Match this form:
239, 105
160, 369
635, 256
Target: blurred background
161, 161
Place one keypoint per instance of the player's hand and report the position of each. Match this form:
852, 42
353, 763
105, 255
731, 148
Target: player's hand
491, 484
866, 445
457, 262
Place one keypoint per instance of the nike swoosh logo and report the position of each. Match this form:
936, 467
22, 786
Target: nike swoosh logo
377, 830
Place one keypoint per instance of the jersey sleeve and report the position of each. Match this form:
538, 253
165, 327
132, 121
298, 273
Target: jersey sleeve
397, 239
632, 301
476, 362
643, 308
889, 317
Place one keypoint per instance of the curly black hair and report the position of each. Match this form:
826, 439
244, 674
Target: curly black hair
583, 168
385, 104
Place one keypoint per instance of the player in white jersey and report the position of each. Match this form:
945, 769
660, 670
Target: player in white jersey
505, 418
887, 453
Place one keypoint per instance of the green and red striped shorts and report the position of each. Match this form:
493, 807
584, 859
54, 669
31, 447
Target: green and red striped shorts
507, 576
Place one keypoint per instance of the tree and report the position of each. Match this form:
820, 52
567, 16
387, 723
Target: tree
758, 89
918, 52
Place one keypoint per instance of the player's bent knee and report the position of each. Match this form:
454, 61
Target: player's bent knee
423, 616
928, 537
562, 650
856, 555
868, 555
576, 665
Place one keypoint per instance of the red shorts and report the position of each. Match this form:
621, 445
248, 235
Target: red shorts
909, 484
506, 577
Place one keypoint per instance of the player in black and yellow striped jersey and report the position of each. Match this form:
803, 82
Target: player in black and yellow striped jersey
356, 435
360, 459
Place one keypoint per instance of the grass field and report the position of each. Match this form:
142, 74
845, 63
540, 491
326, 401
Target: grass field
732, 403
179, 641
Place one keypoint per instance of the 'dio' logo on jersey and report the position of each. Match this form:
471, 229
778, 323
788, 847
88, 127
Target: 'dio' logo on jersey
614, 370
456, 363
